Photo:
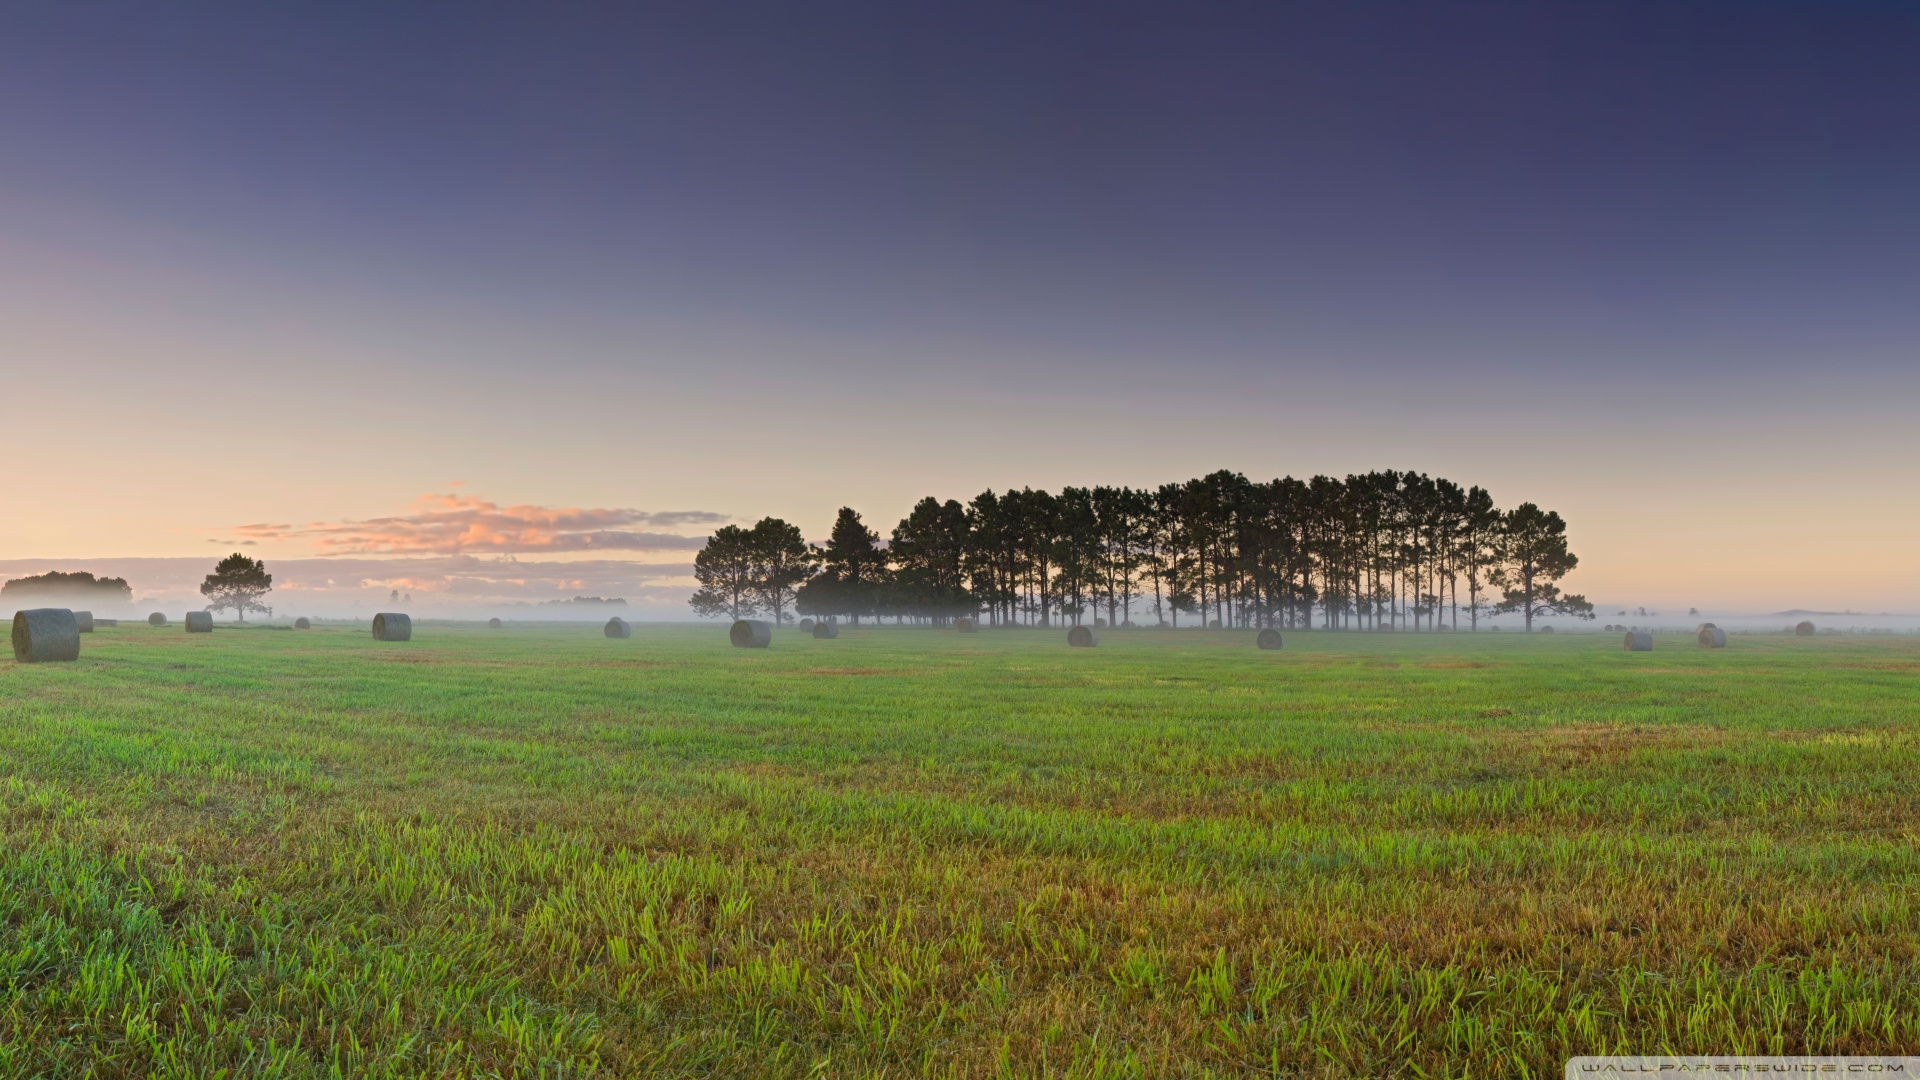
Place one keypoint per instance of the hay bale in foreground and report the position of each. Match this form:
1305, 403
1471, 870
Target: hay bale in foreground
826, 630
84, 619
1803, 629
617, 628
45, 634
1267, 639
302, 623
199, 622
494, 624
750, 634
1082, 637
1639, 641
1712, 637
806, 626
392, 626
967, 625
158, 618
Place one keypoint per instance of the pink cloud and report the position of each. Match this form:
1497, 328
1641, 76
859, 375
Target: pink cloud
459, 524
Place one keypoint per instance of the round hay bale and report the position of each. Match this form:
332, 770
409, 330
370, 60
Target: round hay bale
826, 630
1268, 638
617, 628
967, 625
806, 626
1639, 641
199, 622
750, 634
1703, 628
1214, 625
494, 624
1803, 629
45, 634
1712, 637
302, 623
1546, 629
1082, 637
158, 618
392, 626
85, 621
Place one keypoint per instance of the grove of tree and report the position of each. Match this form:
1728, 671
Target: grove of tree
1381, 550
79, 587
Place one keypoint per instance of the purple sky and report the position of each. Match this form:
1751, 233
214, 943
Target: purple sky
1653, 264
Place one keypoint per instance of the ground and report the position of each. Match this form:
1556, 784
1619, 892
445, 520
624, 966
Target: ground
536, 851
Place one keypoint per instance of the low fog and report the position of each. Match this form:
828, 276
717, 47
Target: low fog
591, 591
443, 587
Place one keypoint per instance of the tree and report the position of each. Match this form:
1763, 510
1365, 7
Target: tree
929, 553
782, 563
993, 553
726, 571
1478, 546
1036, 521
853, 566
237, 582
1534, 542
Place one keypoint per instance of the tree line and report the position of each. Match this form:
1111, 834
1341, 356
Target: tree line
1381, 550
55, 585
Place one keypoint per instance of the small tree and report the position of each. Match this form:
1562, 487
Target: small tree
237, 582
1535, 546
726, 570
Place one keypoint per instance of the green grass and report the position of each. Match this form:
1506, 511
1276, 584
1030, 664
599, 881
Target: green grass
539, 852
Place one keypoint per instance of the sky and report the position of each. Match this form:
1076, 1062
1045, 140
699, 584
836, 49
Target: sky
567, 285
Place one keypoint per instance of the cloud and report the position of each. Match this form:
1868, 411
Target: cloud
460, 524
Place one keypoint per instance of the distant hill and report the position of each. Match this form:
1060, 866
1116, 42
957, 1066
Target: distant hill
57, 587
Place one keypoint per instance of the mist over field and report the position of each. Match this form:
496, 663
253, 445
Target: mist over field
455, 586
471, 587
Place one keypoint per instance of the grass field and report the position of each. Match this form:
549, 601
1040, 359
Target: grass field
539, 852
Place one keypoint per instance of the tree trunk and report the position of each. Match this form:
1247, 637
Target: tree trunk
1526, 602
